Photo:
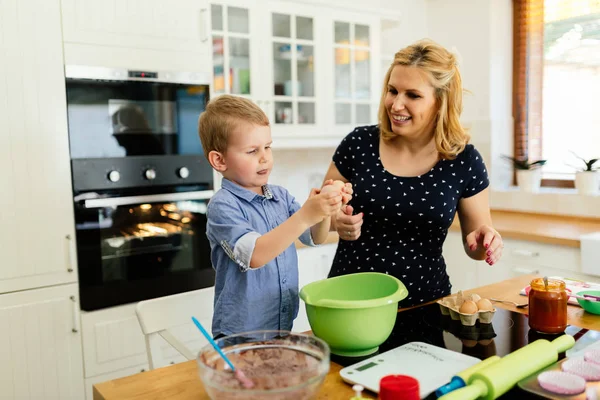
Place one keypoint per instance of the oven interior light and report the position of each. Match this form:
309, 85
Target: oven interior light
175, 216
170, 207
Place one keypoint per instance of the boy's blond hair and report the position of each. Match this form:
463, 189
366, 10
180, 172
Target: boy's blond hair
220, 118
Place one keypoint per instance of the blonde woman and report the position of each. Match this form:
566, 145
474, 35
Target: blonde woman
410, 174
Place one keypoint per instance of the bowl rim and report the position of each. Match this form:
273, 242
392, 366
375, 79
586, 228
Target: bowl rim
588, 302
399, 294
326, 361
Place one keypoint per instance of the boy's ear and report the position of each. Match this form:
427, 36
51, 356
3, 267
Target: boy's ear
217, 160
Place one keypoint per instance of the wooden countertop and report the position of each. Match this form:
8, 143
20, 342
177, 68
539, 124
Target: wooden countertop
543, 228
181, 381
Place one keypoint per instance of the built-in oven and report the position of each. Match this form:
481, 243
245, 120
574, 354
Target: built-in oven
141, 183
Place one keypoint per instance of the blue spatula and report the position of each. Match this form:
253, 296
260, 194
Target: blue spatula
247, 383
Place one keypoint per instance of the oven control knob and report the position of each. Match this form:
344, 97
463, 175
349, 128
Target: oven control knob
150, 174
114, 176
183, 172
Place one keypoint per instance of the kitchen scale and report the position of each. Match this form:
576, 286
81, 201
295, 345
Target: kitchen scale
431, 365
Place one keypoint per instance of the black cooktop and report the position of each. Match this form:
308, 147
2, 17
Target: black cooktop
509, 331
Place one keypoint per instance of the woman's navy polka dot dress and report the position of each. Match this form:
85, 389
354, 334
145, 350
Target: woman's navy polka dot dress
406, 219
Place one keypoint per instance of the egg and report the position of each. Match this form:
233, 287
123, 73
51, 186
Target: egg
468, 307
485, 305
336, 186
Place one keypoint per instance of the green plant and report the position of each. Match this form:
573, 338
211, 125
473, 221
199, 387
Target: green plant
523, 163
589, 164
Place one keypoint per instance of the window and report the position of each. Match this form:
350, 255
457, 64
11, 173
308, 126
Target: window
556, 84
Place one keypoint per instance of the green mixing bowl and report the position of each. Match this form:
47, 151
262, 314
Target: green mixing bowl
353, 313
590, 306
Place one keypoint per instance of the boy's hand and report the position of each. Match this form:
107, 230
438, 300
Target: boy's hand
321, 205
344, 188
347, 192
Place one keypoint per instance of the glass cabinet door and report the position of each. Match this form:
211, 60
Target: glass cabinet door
230, 34
352, 64
293, 50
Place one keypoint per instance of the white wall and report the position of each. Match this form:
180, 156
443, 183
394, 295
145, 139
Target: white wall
481, 32
299, 171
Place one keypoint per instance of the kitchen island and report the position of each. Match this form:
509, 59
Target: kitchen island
181, 381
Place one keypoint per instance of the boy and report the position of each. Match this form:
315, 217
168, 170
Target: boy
252, 225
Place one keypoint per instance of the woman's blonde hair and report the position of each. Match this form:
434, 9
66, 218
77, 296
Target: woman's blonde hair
449, 135
221, 117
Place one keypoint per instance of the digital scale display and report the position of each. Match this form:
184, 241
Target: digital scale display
366, 366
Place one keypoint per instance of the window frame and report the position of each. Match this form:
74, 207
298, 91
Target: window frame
528, 72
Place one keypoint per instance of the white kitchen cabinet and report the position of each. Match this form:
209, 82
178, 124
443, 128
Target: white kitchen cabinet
176, 25
356, 74
154, 34
36, 206
294, 61
40, 345
462, 269
234, 40
294, 57
113, 340
522, 257
314, 264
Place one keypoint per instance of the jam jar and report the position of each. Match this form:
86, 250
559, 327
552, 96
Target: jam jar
548, 306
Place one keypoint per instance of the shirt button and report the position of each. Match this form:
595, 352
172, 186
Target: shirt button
283, 280
284, 309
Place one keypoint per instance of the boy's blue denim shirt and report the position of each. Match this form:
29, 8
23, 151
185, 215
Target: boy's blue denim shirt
247, 298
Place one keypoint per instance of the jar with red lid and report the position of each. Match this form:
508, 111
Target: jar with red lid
548, 306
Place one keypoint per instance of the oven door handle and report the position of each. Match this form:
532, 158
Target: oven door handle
151, 198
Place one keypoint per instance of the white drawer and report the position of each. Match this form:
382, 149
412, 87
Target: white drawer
112, 340
527, 254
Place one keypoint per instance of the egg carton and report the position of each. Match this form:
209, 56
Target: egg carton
450, 306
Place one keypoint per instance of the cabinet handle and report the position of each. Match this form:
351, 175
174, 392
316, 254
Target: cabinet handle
526, 253
203, 24
69, 253
75, 328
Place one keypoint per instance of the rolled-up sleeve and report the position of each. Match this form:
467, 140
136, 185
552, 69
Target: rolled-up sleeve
228, 227
306, 237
